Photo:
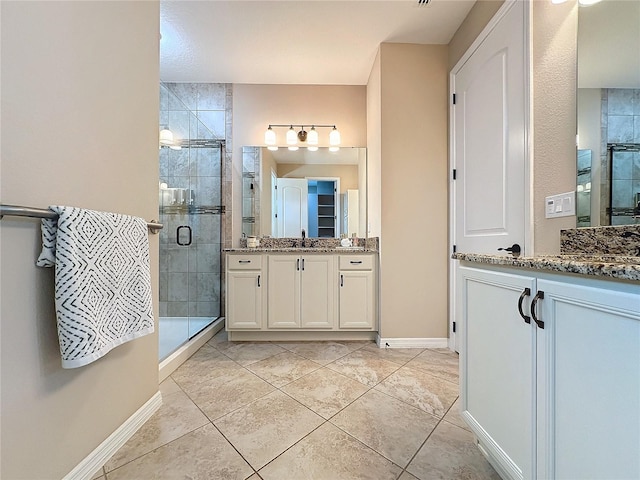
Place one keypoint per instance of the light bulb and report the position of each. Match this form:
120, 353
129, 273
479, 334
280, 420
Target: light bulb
312, 149
312, 137
273, 148
334, 149
586, 3
166, 137
334, 137
270, 136
292, 136
293, 148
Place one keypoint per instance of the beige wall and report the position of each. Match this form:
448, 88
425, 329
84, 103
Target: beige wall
79, 127
477, 18
554, 54
413, 179
257, 106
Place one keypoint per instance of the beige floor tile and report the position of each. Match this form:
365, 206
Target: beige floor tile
365, 367
169, 386
220, 338
255, 476
204, 367
420, 389
407, 476
443, 365
201, 455
222, 395
330, 454
283, 368
325, 391
251, 352
99, 475
453, 416
396, 355
265, 428
390, 427
319, 352
177, 416
449, 453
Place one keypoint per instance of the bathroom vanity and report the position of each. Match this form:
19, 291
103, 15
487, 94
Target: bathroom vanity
550, 363
301, 293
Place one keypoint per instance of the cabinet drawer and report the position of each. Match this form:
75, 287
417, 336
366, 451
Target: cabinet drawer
244, 262
356, 262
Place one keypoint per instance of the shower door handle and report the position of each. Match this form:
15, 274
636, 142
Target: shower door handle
189, 239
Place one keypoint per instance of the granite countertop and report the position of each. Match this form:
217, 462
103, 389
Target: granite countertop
612, 266
349, 250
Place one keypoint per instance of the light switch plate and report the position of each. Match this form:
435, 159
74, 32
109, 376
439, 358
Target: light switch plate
560, 205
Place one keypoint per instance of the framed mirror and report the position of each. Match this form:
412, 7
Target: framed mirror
608, 103
322, 193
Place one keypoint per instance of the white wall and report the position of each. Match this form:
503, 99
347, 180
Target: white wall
589, 133
79, 127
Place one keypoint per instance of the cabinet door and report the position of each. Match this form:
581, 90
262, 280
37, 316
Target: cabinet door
357, 305
497, 367
318, 291
284, 291
588, 381
244, 299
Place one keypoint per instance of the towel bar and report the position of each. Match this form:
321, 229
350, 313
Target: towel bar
16, 211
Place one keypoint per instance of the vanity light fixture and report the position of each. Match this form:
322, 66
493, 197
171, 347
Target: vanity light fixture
167, 140
295, 139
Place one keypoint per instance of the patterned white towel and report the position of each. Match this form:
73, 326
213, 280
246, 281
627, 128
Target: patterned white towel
102, 281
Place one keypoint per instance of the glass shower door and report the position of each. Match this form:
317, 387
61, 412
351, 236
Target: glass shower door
190, 209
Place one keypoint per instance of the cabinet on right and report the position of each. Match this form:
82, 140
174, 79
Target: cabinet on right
550, 372
356, 292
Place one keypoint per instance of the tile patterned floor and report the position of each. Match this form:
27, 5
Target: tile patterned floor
315, 410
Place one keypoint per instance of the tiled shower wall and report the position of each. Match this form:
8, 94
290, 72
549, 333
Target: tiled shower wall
620, 122
190, 280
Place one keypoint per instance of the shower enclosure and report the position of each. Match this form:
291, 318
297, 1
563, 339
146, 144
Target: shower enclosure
190, 209
625, 183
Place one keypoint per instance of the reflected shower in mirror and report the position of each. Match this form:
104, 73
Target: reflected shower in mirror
583, 190
319, 192
608, 100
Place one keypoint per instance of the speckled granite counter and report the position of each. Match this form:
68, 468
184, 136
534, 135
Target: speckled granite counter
349, 250
613, 266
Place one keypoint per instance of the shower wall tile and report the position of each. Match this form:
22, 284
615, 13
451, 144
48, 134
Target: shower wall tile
206, 286
178, 163
620, 129
636, 101
163, 310
622, 196
163, 281
178, 259
177, 309
179, 124
187, 94
164, 101
178, 287
623, 166
207, 190
207, 162
635, 173
214, 121
621, 101
636, 129
208, 258
211, 96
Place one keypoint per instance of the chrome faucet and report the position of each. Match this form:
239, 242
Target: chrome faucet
304, 243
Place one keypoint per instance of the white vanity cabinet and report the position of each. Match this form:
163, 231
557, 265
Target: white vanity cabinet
301, 291
245, 292
550, 372
356, 292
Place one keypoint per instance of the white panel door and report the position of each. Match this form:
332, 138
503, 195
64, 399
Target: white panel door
293, 194
490, 140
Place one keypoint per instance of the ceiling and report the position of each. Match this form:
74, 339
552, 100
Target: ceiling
315, 42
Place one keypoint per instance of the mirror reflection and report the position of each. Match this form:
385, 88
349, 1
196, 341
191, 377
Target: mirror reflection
608, 99
319, 194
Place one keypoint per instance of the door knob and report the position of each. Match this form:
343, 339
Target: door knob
513, 249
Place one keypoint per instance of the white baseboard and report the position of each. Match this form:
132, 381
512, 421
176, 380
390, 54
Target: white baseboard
93, 462
412, 342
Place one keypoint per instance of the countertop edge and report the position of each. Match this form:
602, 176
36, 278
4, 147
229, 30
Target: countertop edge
588, 268
350, 251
